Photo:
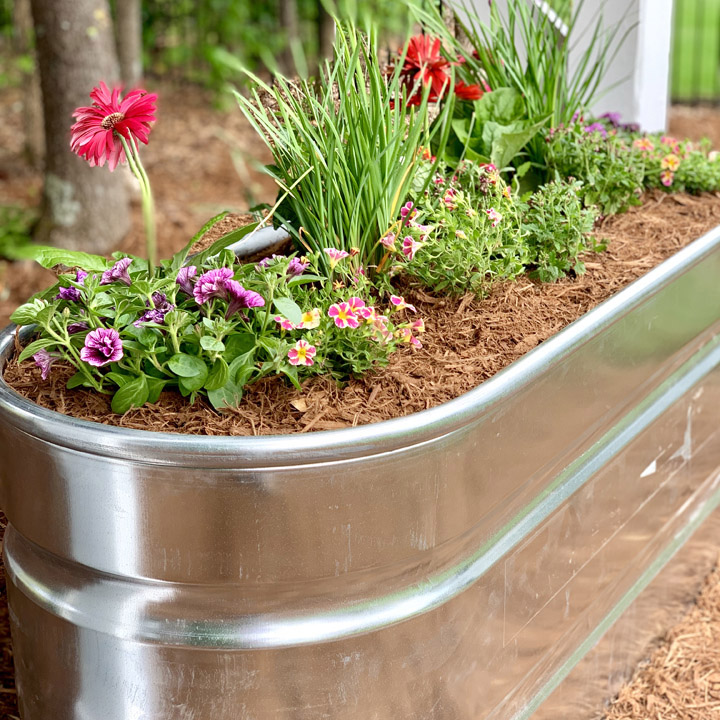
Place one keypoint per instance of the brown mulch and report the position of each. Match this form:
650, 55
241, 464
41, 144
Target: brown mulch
681, 680
467, 341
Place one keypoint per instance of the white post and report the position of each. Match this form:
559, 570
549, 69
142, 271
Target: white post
637, 83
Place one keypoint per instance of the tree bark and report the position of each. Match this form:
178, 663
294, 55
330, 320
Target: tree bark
32, 97
326, 34
290, 23
128, 30
83, 207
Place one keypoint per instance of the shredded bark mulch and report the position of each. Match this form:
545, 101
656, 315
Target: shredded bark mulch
681, 680
467, 341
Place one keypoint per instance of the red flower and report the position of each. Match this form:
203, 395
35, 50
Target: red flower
94, 134
468, 92
424, 64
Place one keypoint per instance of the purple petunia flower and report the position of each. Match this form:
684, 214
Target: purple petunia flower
296, 267
240, 298
43, 359
118, 272
72, 293
612, 117
185, 278
102, 346
266, 262
596, 127
77, 327
212, 284
161, 307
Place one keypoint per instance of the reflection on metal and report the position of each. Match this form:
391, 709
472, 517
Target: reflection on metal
455, 564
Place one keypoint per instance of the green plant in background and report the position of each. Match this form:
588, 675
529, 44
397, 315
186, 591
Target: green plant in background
349, 143
557, 229
524, 49
611, 169
16, 225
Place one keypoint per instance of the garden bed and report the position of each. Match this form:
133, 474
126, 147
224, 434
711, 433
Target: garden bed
467, 340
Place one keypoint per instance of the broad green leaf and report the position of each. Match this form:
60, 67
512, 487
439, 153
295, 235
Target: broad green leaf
304, 279
27, 314
502, 105
179, 258
509, 144
78, 379
238, 344
50, 257
187, 366
242, 368
229, 395
132, 394
219, 245
291, 372
155, 387
289, 309
191, 384
218, 376
119, 379
211, 344
35, 346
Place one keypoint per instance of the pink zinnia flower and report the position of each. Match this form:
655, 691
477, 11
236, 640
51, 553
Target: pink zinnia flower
343, 315
102, 346
410, 246
212, 284
118, 273
400, 304
667, 177
302, 353
94, 134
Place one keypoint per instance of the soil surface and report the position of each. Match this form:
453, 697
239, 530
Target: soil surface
198, 161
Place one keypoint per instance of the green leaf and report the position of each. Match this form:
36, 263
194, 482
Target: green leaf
191, 384
119, 379
238, 344
229, 395
219, 245
78, 379
33, 347
155, 387
291, 372
211, 344
502, 105
179, 258
188, 366
303, 279
218, 376
242, 368
289, 309
50, 257
132, 394
509, 144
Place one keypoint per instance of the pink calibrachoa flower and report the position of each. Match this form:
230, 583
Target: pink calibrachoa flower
335, 256
310, 319
368, 314
506, 192
670, 162
356, 304
388, 241
43, 359
410, 247
102, 346
380, 327
449, 198
670, 142
212, 284
94, 134
494, 216
667, 177
343, 315
645, 144
418, 326
186, 279
406, 211
400, 304
284, 323
302, 353
404, 334
118, 273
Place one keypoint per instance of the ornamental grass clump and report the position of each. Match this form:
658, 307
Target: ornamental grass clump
348, 143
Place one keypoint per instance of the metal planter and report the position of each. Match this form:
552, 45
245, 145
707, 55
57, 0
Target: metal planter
456, 563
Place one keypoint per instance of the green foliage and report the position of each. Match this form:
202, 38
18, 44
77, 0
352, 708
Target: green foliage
15, 232
462, 235
345, 147
611, 169
524, 50
556, 229
493, 129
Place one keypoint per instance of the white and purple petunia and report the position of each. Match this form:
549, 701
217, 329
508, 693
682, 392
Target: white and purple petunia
118, 273
102, 346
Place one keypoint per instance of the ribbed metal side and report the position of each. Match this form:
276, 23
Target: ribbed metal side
454, 564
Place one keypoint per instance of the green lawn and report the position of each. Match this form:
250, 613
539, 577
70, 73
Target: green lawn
696, 50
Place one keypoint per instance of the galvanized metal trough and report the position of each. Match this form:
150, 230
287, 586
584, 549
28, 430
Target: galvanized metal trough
454, 564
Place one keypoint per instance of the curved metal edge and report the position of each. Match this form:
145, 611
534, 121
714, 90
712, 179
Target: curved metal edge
102, 605
296, 449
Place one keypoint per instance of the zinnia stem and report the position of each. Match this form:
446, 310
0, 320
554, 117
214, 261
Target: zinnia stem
148, 205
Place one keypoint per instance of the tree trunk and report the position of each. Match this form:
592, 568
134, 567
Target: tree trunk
326, 34
83, 207
290, 25
32, 97
128, 29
